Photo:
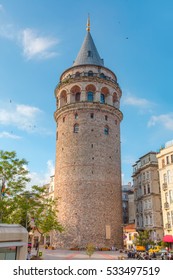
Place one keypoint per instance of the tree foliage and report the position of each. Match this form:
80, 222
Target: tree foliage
20, 205
143, 238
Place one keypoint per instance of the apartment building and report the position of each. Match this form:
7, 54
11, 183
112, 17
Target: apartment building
165, 163
147, 196
127, 191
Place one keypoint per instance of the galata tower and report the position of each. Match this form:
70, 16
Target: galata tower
88, 164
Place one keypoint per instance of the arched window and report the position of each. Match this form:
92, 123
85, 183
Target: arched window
102, 75
106, 130
102, 98
76, 128
90, 73
77, 74
57, 102
90, 96
77, 96
76, 116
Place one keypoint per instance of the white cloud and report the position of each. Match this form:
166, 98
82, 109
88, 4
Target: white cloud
32, 43
135, 101
1, 8
24, 117
43, 177
166, 120
8, 31
5, 134
37, 46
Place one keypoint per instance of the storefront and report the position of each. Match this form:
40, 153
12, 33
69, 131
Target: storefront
13, 242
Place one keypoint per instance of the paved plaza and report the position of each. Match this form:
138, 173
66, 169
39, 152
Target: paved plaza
60, 254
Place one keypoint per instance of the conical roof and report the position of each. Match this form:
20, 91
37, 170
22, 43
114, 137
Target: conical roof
88, 53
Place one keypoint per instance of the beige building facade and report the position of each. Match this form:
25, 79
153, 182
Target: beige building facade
165, 162
147, 197
88, 165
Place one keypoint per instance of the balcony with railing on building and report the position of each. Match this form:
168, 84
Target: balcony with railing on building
164, 186
168, 226
82, 75
166, 205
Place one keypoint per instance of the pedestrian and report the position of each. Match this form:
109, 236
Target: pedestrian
169, 256
154, 255
36, 245
162, 256
29, 254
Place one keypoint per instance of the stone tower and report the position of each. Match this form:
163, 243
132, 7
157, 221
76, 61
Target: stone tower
88, 166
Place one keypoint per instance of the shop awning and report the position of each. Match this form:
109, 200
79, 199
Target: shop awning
168, 238
12, 243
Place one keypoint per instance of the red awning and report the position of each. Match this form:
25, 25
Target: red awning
168, 238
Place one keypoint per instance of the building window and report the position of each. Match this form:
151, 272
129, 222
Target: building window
57, 103
146, 220
168, 176
148, 188
168, 217
106, 118
77, 74
151, 219
167, 160
171, 158
102, 75
144, 190
116, 122
90, 96
76, 116
89, 54
171, 196
106, 130
76, 128
77, 97
164, 178
92, 115
163, 163
172, 217
63, 119
90, 73
102, 98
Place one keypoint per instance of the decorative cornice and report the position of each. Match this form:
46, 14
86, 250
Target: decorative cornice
90, 106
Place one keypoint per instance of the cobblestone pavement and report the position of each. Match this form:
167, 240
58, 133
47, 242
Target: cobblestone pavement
79, 255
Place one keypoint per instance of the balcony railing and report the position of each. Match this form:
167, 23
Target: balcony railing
168, 226
166, 205
87, 74
164, 186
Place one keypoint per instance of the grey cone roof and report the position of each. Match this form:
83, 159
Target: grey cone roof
88, 53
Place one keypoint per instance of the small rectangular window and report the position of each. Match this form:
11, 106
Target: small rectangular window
167, 159
92, 115
171, 158
106, 118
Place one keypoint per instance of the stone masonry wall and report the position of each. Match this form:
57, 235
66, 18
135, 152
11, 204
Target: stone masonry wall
88, 175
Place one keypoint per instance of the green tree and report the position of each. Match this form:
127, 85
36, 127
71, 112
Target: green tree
143, 239
19, 205
90, 249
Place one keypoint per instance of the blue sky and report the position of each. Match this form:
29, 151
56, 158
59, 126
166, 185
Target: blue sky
40, 39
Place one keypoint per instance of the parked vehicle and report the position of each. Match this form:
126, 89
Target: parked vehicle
154, 249
140, 248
